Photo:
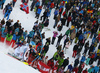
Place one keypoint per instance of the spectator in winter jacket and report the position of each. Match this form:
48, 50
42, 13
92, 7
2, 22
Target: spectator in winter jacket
65, 41
37, 4
76, 62
56, 13
72, 36
32, 54
61, 10
90, 70
66, 62
3, 35
70, 67
48, 40
2, 29
59, 27
44, 15
56, 55
87, 61
9, 37
75, 50
43, 2
30, 35
81, 37
2, 3
59, 39
25, 34
8, 12
8, 23
59, 47
16, 30
67, 46
54, 36
48, 4
60, 60
20, 31
32, 5
91, 49
68, 20
14, 39
6, 7
52, 5
48, 13
86, 47
46, 48
81, 67
21, 39
77, 35
46, 23
38, 12
67, 32
43, 35
16, 24
96, 69
57, 19
83, 59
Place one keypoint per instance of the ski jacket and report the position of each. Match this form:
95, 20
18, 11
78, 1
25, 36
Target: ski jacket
4, 34
9, 37
70, 68
14, 37
56, 12
96, 69
83, 59
39, 11
55, 34
37, 4
31, 34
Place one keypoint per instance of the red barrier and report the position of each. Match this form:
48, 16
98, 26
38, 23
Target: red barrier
13, 43
43, 68
2, 39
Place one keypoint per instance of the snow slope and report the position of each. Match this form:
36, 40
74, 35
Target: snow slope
10, 65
